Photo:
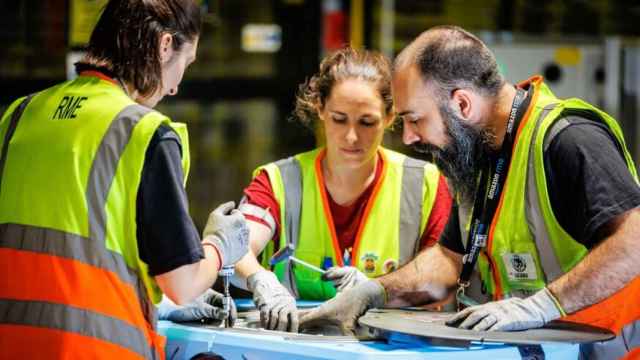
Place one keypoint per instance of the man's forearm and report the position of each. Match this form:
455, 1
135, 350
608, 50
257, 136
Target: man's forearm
185, 283
428, 278
605, 270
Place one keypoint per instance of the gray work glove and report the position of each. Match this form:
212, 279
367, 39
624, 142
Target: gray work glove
345, 309
510, 314
206, 307
227, 229
278, 310
344, 277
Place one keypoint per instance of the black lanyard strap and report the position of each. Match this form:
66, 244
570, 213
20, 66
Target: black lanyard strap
486, 201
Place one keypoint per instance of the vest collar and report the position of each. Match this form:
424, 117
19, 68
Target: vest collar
535, 80
100, 75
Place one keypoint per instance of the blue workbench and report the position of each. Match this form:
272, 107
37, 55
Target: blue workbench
184, 342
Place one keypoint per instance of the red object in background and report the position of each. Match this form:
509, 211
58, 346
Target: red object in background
334, 25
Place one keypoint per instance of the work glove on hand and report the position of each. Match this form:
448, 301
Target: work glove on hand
344, 277
345, 309
278, 310
227, 229
207, 307
510, 314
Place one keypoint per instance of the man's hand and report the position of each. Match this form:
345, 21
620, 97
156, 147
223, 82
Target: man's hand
345, 309
510, 314
344, 277
278, 310
206, 307
227, 229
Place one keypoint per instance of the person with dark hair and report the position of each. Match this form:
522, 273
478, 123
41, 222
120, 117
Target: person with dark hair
547, 219
350, 206
94, 222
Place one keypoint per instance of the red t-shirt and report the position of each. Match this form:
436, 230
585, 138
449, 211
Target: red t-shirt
347, 219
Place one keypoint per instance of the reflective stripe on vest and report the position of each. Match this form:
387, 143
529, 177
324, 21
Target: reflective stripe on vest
13, 123
76, 320
27, 247
410, 210
292, 181
548, 260
104, 166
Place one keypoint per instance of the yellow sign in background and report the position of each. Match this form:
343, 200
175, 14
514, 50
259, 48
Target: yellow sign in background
568, 56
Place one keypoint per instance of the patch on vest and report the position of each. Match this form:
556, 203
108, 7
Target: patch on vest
390, 265
369, 261
520, 266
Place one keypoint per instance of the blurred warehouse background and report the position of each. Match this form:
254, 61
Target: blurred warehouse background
238, 96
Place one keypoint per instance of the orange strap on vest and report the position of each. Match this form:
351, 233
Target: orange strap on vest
613, 313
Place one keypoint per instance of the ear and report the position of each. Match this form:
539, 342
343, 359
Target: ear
166, 47
462, 100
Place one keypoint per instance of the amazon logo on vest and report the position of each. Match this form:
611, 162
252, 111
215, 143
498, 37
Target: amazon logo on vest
68, 107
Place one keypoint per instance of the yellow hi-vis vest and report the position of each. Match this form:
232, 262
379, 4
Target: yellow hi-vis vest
71, 166
526, 247
389, 234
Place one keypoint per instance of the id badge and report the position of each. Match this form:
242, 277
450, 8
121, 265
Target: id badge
520, 266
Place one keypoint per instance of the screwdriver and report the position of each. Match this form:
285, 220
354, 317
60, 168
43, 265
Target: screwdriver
226, 272
286, 253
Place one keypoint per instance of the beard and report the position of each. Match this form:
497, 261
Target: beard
463, 158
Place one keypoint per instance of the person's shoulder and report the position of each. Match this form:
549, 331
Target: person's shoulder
166, 132
408, 161
283, 162
38, 94
399, 158
309, 155
165, 139
14, 105
577, 132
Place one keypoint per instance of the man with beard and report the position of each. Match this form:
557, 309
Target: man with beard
548, 202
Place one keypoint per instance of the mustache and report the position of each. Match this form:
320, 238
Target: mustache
426, 149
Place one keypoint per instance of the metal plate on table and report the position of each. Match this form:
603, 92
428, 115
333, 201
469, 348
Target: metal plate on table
249, 323
432, 325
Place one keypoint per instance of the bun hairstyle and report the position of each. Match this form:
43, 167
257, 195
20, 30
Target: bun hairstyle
347, 63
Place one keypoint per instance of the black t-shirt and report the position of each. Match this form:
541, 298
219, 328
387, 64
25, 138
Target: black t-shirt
588, 181
167, 237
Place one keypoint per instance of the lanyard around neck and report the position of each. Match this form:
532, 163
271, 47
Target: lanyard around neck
486, 200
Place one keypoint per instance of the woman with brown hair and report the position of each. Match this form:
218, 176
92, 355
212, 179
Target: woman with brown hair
351, 207
94, 222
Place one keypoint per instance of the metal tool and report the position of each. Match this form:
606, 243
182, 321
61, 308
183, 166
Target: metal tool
286, 253
226, 272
